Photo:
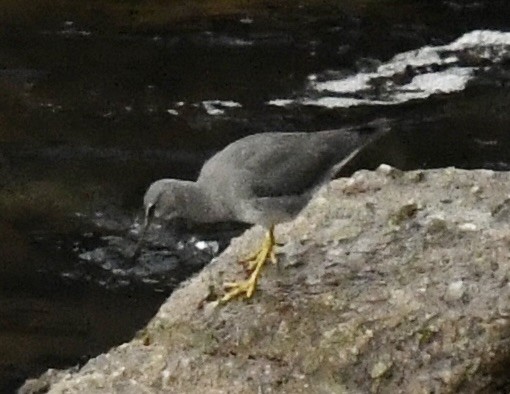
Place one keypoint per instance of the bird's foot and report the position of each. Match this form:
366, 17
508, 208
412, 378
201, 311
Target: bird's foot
251, 263
266, 252
237, 289
246, 287
254, 266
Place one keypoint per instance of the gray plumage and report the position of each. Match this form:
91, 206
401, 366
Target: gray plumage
264, 178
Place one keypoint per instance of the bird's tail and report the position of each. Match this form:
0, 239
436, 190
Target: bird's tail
381, 128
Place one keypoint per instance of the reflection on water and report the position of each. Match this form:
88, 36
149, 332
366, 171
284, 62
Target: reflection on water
88, 119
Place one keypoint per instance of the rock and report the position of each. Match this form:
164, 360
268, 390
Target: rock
403, 213
455, 290
380, 369
419, 307
467, 227
416, 176
436, 224
389, 171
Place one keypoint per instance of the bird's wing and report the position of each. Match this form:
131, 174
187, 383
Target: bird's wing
297, 164
279, 164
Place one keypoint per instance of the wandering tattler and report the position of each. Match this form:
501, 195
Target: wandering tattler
263, 179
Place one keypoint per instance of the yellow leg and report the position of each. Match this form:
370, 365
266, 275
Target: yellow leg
251, 262
247, 287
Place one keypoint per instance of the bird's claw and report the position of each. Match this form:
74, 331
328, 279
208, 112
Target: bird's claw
253, 267
236, 289
250, 264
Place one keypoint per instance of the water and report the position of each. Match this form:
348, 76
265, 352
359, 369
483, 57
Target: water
88, 118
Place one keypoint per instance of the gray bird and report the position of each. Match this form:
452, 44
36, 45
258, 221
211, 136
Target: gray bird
264, 179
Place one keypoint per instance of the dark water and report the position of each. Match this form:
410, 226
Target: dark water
89, 118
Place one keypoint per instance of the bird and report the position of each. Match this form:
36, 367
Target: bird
262, 179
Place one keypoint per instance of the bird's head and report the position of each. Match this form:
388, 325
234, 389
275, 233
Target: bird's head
161, 200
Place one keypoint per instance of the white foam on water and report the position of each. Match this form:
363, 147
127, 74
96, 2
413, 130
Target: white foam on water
340, 102
217, 107
432, 69
421, 87
450, 80
348, 85
280, 102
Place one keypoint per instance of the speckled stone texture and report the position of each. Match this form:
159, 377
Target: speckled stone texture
388, 282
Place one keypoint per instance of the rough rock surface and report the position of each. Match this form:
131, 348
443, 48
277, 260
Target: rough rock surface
389, 282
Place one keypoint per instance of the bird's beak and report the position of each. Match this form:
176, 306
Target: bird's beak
149, 215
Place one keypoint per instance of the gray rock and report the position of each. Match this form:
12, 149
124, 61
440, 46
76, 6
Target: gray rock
414, 305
